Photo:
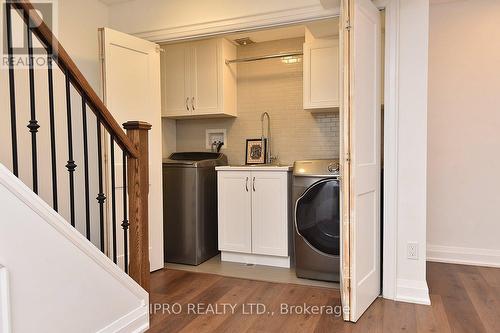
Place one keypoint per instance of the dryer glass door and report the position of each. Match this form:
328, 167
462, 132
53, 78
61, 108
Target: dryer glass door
317, 216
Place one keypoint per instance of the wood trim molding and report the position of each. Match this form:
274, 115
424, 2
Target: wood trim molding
463, 255
242, 23
135, 321
345, 165
5, 320
412, 291
391, 147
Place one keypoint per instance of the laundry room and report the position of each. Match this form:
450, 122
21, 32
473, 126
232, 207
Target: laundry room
251, 154
251, 122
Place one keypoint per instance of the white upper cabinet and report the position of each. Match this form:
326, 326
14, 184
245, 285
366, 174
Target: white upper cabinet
196, 80
321, 74
321, 67
175, 85
205, 77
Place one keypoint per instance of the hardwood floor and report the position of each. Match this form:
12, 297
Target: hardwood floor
464, 299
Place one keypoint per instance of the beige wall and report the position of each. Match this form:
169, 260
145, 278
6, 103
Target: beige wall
274, 87
464, 131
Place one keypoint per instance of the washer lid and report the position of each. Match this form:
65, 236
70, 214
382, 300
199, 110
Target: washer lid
316, 168
195, 159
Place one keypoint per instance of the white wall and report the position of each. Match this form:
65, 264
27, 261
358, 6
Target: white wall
411, 171
464, 135
59, 282
78, 22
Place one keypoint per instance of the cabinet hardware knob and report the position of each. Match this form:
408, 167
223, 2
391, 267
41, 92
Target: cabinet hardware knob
187, 101
192, 103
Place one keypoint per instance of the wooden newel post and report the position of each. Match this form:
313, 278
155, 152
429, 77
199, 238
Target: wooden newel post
138, 190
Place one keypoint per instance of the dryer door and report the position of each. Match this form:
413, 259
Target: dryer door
317, 216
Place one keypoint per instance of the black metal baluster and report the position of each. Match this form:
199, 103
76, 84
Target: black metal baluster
71, 166
86, 168
52, 131
101, 198
33, 123
125, 223
113, 199
12, 87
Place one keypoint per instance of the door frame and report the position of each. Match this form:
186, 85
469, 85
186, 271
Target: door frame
391, 107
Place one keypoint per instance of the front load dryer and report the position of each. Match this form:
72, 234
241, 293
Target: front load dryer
316, 192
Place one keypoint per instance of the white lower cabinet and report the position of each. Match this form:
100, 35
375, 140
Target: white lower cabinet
254, 216
235, 211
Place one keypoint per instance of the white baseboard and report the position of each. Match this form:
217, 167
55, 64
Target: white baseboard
463, 255
136, 321
5, 324
256, 259
412, 291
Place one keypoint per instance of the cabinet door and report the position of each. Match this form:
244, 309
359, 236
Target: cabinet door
235, 211
205, 76
321, 74
176, 101
270, 213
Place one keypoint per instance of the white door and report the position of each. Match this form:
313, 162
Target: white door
270, 213
235, 211
176, 72
365, 154
205, 77
131, 83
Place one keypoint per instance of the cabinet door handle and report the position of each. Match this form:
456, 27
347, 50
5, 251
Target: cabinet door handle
253, 184
187, 101
192, 103
246, 184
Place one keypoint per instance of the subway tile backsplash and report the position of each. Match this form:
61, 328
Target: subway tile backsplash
275, 87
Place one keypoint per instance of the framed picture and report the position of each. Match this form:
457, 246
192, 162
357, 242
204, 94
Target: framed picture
256, 152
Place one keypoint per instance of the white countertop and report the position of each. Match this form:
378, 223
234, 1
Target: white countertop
282, 168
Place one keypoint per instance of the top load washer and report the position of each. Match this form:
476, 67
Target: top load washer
190, 206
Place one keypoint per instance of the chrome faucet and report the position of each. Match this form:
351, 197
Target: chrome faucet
267, 158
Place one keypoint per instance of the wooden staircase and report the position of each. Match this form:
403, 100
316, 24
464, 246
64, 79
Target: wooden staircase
133, 144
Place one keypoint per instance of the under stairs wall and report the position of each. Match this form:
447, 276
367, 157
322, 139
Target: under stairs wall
58, 280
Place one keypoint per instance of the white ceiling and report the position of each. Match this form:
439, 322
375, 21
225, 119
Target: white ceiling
269, 35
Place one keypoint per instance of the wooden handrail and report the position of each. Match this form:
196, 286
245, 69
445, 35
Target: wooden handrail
62, 58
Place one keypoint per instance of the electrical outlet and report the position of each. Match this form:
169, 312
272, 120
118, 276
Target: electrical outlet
412, 251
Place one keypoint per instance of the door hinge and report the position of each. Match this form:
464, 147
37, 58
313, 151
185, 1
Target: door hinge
348, 283
348, 25
159, 49
348, 157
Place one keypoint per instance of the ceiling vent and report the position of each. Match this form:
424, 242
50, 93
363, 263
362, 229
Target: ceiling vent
244, 41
